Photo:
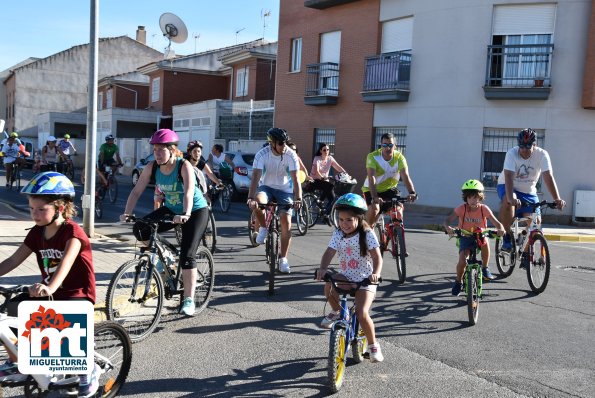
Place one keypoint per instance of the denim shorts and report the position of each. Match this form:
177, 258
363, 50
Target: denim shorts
281, 197
467, 243
523, 197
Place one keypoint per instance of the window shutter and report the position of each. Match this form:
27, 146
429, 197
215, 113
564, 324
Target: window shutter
397, 35
524, 19
330, 47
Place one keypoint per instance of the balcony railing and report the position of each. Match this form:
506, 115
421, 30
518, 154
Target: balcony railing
322, 84
386, 77
518, 71
322, 4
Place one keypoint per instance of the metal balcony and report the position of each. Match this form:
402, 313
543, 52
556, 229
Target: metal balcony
386, 77
322, 4
518, 71
322, 84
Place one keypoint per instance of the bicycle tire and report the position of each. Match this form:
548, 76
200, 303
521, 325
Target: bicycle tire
337, 359
472, 295
333, 218
252, 223
273, 237
209, 239
112, 188
380, 234
18, 178
538, 271
314, 210
399, 253
113, 354
69, 171
505, 261
98, 208
301, 220
359, 345
225, 198
139, 319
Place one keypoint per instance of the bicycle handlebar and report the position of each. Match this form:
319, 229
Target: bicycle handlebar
167, 219
328, 277
543, 203
9, 291
271, 204
490, 233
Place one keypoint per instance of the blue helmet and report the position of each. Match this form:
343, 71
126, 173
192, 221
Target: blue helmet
351, 201
50, 183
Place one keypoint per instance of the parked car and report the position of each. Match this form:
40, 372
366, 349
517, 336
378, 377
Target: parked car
138, 168
242, 172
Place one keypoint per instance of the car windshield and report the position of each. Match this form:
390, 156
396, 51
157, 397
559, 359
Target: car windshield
249, 159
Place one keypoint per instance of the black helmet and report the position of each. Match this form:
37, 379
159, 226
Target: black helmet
527, 137
109, 137
277, 134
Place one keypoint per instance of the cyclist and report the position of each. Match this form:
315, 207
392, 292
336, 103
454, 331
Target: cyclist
274, 177
523, 164
183, 200
472, 215
194, 156
359, 258
66, 148
12, 150
384, 167
107, 151
62, 250
218, 159
321, 167
50, 154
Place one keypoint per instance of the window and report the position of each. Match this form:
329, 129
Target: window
100, 101
155, 88
108, 99
400, 134
296, 54
326, 136
397, 35
496, 142
242, 82
330, 53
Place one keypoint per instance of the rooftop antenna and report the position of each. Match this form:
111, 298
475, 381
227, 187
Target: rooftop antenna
237, 32
174, 30
196, 37
264, 15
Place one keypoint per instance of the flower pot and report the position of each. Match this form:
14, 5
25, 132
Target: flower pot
538, 83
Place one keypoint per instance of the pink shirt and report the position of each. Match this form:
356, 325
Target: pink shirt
468, 218
324, 166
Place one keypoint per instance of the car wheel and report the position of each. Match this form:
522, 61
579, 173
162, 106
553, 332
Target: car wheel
135, 176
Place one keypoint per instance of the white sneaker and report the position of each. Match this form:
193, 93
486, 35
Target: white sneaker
262, 235
375, 353
327, 321
284, 266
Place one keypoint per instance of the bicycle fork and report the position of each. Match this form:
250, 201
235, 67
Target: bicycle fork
479, 279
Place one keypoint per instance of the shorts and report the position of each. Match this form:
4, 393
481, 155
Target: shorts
281, 197
523, 197
466, 243
386, 195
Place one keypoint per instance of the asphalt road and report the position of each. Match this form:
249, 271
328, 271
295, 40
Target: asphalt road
249, 344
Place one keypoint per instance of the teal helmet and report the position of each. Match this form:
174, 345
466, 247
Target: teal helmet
50, 183
472, 185
351, 201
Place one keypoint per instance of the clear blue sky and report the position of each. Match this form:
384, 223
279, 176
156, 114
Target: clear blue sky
34, 28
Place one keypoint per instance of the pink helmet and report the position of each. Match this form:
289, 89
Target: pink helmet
164, 137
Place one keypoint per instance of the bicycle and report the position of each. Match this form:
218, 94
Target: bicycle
301, 220
113, 357
112, 183
346, 333
529, 243
15, 176
136, 292
223, 193
68, 167
472, 277
323, 209
393, 232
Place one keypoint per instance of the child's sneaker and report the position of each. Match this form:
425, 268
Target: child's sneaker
375, 353
456, 288
327, 321
188, 307
89, 384
487, 275
262, 235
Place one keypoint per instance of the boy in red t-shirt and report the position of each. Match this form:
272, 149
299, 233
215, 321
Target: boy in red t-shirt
472, 214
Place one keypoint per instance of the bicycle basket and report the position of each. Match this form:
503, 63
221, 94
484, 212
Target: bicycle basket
341, 188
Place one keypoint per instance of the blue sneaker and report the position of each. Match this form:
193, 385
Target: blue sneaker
487, 275
456, 288
89, 384
188, 307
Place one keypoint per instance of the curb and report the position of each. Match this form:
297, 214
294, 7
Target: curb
569, 238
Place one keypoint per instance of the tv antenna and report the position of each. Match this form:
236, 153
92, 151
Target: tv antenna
237, 33
196, 37
264, 15
174, 30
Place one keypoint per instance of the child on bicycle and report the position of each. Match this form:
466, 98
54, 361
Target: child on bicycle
472, 215
359, 258
63, 253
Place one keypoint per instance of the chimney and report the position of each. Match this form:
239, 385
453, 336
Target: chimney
141, 35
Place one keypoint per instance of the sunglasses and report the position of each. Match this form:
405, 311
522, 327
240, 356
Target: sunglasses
325, 150
529, 146
385, 145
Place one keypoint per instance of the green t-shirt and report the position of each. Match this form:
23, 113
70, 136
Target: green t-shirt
387, 172
108, 151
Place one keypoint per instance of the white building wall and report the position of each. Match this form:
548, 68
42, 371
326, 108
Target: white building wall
447, 111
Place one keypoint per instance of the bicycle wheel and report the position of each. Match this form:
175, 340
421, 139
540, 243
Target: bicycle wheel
112, 188
18, 177
252, 232
273, 255
398, 252
381, 235
314, 212
209, 239
124, 299
98, 207
472, 295
69, 171
205, 279
337, 359
334, 218
301, 220
225, 198
538, 271
359, 346
505, 261
113, 354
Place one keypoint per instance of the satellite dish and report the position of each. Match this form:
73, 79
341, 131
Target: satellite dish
173, 28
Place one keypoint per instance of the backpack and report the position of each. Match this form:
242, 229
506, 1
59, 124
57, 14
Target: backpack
200, 179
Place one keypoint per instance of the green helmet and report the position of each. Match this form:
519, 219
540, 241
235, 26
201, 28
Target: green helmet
351, 201
472, 185
14, 134
67, 136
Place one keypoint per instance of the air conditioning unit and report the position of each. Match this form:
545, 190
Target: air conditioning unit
584, 206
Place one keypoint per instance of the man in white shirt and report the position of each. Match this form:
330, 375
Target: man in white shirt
517, 183
274, 177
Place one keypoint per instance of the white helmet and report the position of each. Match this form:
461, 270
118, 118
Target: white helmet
51, 138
